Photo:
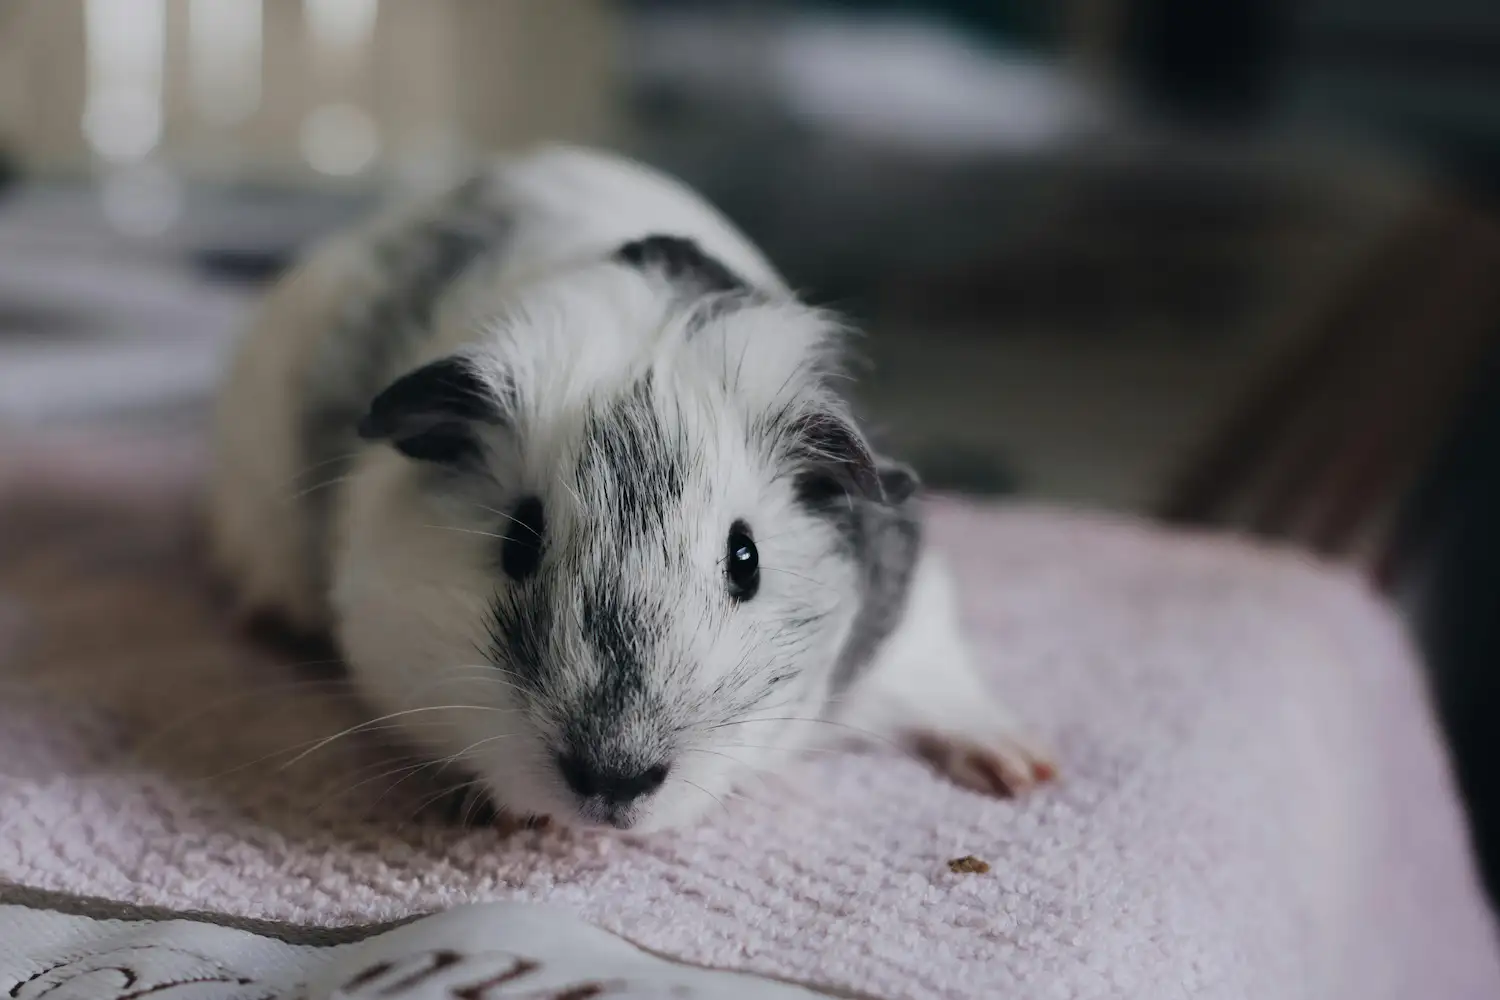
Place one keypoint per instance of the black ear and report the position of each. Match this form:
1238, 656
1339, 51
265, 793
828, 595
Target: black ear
430, 414
898, 480
836, 461
683, 262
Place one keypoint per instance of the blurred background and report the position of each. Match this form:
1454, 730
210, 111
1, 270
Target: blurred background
1229, 264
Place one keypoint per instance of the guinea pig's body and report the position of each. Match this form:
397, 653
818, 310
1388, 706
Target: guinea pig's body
561, 463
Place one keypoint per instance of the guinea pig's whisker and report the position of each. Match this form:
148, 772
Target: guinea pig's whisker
261, 759
839, 699
467, 531
314, 467
796, 751
716, 753
426, 803
822, 722
364, 726
568, 486
474, 803
201, 713
406, 770
705, 791
441, 764
479, 668
464, 753
476, 674
801, 576
791, 700
404, 760
410, 772
265, 758
512, 519
318, 486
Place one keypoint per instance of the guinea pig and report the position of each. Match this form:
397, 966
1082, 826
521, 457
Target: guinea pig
562, 465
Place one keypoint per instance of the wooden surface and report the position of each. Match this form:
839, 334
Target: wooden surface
1325, 447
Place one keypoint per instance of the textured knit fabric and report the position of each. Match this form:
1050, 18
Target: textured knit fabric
1253, 800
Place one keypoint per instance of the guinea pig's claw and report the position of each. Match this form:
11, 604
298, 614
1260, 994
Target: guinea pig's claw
1002, 766
508, 824
470, 807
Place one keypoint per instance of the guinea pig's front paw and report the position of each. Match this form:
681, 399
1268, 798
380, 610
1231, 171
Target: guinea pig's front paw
467, 806
1002, 765
470, 807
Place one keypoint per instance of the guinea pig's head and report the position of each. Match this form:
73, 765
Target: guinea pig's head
602, 556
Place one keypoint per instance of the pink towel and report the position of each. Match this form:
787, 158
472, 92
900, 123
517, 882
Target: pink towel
1253, 801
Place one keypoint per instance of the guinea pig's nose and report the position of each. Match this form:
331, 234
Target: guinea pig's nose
613, 785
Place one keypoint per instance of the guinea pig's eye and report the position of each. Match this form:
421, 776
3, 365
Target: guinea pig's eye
742, 563
521, 552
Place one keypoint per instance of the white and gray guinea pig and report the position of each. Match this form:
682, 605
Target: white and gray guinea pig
561, 463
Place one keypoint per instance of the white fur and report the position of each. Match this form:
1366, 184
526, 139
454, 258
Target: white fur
413, 570
568, 204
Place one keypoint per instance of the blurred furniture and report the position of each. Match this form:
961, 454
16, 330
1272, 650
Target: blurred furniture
330, 91
1214, 64
1377, 442
1450, 548
1415, 74
1331, 438
167, 140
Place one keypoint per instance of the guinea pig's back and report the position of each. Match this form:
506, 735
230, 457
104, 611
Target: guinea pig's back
573, 203
322, 341
258, 528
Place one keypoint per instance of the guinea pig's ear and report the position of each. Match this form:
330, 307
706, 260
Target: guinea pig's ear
836, 461
682, 262
431, 414
898, 480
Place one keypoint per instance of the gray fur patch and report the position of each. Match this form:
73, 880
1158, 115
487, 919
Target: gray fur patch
622, 636
631, 469
683, 262
418, 264
630, 474
884, 541
697, 278
590, 700
521, 630
618, 636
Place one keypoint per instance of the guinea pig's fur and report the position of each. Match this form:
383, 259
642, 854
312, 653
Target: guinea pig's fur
505, 446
